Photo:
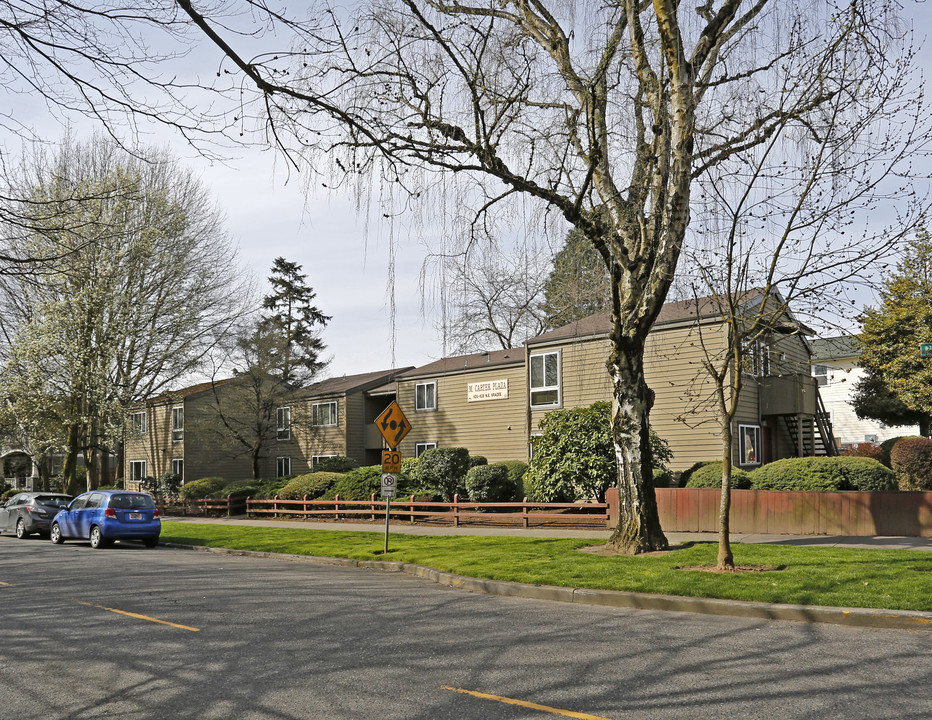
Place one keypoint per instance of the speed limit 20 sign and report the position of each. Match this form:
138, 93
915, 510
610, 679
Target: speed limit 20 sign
388, 485
391, 462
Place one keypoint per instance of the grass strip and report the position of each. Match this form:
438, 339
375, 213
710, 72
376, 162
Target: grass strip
837, 577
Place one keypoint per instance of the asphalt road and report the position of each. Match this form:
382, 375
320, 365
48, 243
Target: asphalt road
126, 632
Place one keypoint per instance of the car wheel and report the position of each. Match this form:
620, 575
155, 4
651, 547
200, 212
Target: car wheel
97, 538
150, 542
21, 529
55, 534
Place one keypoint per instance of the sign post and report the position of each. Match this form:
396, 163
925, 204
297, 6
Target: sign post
393, 425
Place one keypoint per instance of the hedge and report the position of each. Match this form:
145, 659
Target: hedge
911, 460
825, 474
709, 475
200, 489
490, 484
312, 485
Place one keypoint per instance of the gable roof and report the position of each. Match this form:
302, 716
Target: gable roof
470, 363
349, 383
680, 311
841, 347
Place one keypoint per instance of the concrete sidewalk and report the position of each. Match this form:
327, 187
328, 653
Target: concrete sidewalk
674, 538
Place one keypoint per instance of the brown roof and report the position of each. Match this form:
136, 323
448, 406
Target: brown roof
476, 361
349, 383
172, 395
671, 312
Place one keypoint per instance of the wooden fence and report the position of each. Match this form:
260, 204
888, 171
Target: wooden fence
230, 505
794, 513
455, 513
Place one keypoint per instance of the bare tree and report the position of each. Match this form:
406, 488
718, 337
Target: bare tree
145, 286
494, 298
603, 113
795, 227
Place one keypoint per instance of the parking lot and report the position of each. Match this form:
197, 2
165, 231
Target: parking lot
127, 632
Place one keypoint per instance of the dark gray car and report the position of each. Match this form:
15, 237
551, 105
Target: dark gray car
31, 512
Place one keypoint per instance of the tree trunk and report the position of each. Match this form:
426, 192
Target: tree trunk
726, 561
69, 481
638, 528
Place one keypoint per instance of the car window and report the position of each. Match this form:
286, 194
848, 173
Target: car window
52, 500
94, 500
15, 500
131, 502
79, 502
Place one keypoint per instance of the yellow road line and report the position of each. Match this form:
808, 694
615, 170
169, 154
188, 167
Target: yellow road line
5, 584
140, 617
522, 703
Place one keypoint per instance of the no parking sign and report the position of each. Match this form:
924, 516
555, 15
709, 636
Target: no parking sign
388, 485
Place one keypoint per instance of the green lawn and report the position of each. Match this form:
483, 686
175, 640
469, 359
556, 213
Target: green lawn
891, 579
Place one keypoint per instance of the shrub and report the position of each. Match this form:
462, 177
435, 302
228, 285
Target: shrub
238, 488
911, 460
517, 469
688, 472
662, 478
887, 448
313, 485
709, 475
824, 474
868, 450
443, 470
868, 474
476, 460
361, 483
336, 464
200, 489
490, 483
272, 487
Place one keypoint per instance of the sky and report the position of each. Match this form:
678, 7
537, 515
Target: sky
269, 215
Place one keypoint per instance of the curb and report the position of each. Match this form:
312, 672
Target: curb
850, 617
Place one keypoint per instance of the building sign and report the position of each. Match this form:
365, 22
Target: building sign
488, 390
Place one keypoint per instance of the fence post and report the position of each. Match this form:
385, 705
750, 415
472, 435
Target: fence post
372, 506
230, 505
411, 507
336, 506
524, 517
275, 506
456, 510
612, 500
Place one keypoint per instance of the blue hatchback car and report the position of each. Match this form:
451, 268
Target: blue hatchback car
103, 516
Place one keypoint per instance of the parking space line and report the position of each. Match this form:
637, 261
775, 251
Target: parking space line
140, 617
523, 703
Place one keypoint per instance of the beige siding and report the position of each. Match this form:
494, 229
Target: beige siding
356, 427
323, 439
683, 412
155, 447
494, 429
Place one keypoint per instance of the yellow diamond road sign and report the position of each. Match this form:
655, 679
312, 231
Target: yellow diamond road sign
393, 425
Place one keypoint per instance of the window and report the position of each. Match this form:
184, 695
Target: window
425, 396
283, 466
749, 445
137, 423
283, 415
757, 358
545, 380
820, 372
421, 448
177, 424
137, 470
317, 458
324, 413
178, 468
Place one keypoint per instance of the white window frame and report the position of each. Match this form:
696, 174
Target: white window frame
425, 400
178, 468
138, 469
545, 387
283, 422
422, 447
754, 433
177, 429
283, 466
317, 458
334, 415
139, 422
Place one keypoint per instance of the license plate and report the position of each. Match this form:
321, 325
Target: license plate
135, 516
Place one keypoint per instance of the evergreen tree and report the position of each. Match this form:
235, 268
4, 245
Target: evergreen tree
578, 285
292, 315
890, 340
